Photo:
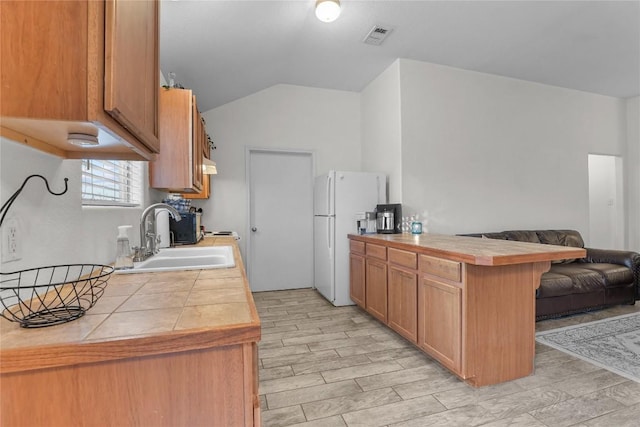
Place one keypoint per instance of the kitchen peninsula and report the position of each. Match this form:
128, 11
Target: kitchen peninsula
161, 349
467, 302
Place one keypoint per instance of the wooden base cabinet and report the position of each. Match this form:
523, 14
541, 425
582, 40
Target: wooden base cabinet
403, 307
357, 271
403, 293
376, 281
439, 322
440, 311
214, 386
376, 288
473, 310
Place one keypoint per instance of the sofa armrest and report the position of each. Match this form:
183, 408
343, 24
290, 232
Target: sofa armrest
626, 258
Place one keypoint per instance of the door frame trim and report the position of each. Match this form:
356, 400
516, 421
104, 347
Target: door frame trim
247, 158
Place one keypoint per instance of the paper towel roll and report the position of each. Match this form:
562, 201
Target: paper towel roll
162, 228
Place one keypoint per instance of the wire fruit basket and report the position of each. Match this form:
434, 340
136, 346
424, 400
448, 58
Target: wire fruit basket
47, 296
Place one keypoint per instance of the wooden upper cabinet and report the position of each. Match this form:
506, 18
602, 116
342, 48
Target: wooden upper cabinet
63, 63
131, 68
178, 167
205, 193
206, 179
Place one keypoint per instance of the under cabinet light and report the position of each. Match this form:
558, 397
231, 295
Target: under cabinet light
82, 139
209, 167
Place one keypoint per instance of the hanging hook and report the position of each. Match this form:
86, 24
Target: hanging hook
5, 207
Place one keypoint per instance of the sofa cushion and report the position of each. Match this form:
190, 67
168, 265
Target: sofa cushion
584, 280
500, 236
522, 236
554, 285
569, 238
613, 274
561, 238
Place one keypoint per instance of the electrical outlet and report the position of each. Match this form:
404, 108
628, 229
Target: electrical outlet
11, 248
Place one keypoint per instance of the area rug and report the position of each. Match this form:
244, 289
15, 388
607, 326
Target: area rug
612, 344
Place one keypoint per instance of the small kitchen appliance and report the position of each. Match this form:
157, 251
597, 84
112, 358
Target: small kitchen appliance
187, 231
389, 218
361, 222
366, 222
371, 222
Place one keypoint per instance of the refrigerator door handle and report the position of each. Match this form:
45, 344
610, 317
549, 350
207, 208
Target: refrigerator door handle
329, 211
329, 243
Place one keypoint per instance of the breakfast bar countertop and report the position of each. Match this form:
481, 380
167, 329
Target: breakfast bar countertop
473, 250
143, 314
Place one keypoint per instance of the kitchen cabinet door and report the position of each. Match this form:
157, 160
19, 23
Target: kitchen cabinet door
178, 167
376, 288
440, 321
403, 302
205, 193
357, 274
197, 143
131, 71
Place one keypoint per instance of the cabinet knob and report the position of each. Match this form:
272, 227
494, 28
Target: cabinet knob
254, 229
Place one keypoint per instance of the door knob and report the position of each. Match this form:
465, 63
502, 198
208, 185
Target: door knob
254, 229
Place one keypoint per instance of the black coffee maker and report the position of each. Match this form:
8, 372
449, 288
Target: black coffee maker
389, 218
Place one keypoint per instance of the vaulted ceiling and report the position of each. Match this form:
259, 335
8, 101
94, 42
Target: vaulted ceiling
228, 49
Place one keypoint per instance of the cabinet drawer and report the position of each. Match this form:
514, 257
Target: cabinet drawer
403, 258
444, 268
356, 247
376, 251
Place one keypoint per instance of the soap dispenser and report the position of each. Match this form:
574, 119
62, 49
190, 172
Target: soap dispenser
124, 256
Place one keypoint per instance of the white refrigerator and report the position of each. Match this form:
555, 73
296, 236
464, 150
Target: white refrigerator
338, 196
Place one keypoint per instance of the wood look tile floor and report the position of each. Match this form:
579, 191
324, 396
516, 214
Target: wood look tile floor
327, 366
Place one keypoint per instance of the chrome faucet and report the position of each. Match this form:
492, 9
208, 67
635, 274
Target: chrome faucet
148, 235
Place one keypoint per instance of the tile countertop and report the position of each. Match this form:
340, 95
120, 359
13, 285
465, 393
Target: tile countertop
473, 250
143, 314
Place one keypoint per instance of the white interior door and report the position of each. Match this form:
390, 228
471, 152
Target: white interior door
606, 202
280, 244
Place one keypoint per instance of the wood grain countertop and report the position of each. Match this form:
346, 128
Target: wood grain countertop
473, 250
143, 314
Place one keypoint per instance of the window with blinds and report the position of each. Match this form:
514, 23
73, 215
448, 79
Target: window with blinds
111, 182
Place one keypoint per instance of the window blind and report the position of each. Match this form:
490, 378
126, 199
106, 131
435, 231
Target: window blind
111, 182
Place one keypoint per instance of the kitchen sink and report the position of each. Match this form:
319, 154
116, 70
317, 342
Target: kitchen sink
174, 259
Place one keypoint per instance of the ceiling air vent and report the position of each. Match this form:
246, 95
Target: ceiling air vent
377, 35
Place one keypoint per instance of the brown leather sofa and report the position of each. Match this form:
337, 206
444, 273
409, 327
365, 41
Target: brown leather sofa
602, 279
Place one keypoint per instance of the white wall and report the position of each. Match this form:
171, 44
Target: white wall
632, 168
381, 129
478, 152
486, 153
57, 229
280, 117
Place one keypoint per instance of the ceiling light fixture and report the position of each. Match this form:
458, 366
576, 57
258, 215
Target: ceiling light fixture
327, 10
